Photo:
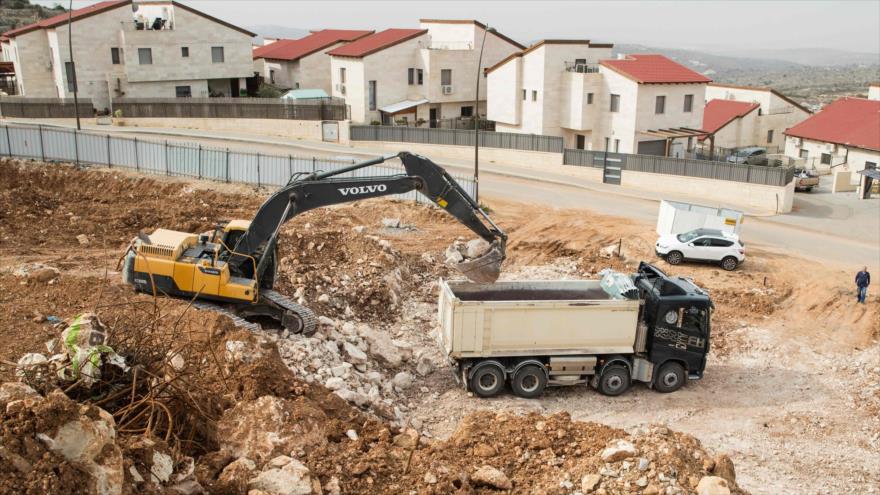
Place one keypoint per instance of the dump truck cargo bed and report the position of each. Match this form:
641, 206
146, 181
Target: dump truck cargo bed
534, 318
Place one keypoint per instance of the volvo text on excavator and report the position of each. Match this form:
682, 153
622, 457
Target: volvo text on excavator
233, 269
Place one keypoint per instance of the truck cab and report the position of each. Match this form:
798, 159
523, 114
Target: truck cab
677, 314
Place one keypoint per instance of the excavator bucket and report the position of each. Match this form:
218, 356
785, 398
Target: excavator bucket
484, 269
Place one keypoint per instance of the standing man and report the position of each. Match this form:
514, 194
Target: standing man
863, 280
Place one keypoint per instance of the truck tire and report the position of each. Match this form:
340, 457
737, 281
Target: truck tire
529, 381
487, 380
729, 263
674, 258
670, 377
614, 380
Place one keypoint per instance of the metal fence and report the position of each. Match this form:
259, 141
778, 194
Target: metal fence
507, 140
44, 108
177, 158
753, 174
230, 108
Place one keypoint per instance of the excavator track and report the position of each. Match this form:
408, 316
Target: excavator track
306, 315
236, 320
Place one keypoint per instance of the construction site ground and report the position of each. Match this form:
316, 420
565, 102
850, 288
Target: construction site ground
791, 392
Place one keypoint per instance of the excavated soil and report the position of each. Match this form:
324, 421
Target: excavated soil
346, 265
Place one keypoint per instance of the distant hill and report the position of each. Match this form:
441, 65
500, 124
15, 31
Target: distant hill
828, 57
17, 13
708, 63
273, 31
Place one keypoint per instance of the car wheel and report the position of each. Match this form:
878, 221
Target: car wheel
729, 263
670, 377
487, 381
614, 380
674, 258
529, 381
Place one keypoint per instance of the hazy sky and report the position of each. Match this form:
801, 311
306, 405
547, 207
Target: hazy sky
712, 25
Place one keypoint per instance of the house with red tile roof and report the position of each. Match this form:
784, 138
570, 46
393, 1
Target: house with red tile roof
844, 135
744, 116
303, 63
426, 75
643, 103
124, 48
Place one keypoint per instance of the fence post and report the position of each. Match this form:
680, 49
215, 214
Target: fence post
137, 161
167, 162
42, 150
289, 167
314, 168
200, 161
109, 161
8, 142
748, 174
76, 147
258, 170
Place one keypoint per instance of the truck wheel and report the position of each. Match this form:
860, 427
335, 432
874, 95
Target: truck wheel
674, 258
487, 381
529, 381
670, 377
614, 380
729, 263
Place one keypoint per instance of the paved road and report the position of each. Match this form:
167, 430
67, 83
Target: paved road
832, 229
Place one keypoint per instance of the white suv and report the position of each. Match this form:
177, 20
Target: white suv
710, 245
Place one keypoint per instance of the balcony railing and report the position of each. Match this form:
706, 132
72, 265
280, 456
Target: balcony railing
581, 67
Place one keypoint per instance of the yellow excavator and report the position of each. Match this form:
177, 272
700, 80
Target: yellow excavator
233, 269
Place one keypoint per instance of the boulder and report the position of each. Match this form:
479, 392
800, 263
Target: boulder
381, 348
44, 275
13, 391
334, 383
724, 468
619, 450
402, 380
354, 355
476, 248
491, 477
83, 240
590, 482
290, 479
712, 485
453, 256
237, 472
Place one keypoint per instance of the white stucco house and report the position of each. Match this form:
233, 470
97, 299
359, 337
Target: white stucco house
417, 75
644, 104
134, 49
740, 116
845, 134
302, 63
874, 91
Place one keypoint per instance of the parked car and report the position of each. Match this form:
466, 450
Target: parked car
706, 245
805, 180
754, 155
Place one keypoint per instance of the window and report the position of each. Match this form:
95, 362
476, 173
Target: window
804, 153
589, 98
660, 105
342, 75
114, 56
467, 111
770, 136
826, 159
445, 77
145, 56
617, 145
419, 77
534, 95
217, 55
70, 72
372, 94
183, 91
411, 76
184, 51
615, 105
272, 76
721, 243
524, 95
688, 103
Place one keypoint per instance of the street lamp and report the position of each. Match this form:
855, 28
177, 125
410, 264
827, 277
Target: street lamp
477, 119
72, 65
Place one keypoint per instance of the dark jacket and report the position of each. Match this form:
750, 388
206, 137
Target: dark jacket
863, 279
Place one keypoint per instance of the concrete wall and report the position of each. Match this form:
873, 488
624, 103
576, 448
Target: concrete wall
296, 129
532, 159
504, 93
34, 66
739, 131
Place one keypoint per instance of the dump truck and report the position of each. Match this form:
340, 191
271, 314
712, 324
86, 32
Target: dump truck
535, 334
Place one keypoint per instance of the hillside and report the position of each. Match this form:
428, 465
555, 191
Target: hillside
16, 13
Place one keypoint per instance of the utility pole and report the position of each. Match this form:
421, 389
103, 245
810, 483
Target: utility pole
72, 64
477, 120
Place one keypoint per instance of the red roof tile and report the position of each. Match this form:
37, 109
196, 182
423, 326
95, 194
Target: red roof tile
376, 42
295, 49
62, 18
849, 121
719, 113
654, 69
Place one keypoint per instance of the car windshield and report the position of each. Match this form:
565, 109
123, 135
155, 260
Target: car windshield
688, 236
